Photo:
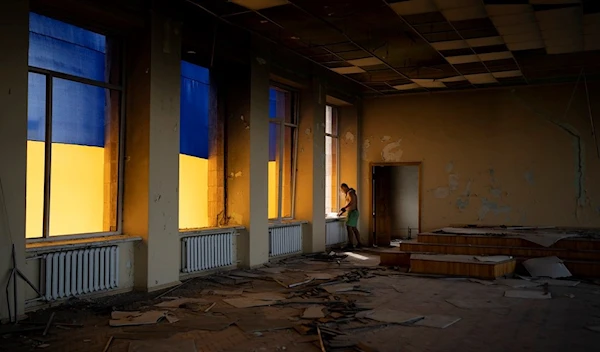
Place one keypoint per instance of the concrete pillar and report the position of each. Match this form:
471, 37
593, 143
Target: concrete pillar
152, 153
310, 181
248, 154
14, 36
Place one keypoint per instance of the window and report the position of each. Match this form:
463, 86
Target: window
332, 181
282, 148
193, 157
73, 131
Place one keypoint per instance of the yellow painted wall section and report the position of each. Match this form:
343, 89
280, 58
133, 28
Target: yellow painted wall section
76, 191
193, 192
504, 156
273, 181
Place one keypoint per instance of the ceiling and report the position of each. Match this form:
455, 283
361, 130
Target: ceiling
395, 46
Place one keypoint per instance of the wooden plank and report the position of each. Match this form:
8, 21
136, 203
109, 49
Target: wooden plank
495, 250
482, 240
394, 258
460, 266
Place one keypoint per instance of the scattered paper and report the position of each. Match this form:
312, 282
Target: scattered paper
313, 312
554, 282
320, 276
247, 302
389, 316
176, 303
339, 288
223, 292
527, 294
171, 318
146, 318
437, 321
518, 283
180, 345
476, 303
551, 267
265, 296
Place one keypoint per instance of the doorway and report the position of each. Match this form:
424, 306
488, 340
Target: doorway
395, 202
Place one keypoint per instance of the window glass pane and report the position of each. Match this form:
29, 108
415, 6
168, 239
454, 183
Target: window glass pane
84, 166
64, 48
194, 143
36, 155
288, 172
280, 104
274, 143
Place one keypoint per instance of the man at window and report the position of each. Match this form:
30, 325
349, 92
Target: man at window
352, 219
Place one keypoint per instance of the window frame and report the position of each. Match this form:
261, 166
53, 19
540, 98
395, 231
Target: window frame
49, 76
334, 135
282, 124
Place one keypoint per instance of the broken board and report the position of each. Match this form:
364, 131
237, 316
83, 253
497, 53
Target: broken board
460, 265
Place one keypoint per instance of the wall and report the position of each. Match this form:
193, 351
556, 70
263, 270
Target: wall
14, 30
507, 156
404, 193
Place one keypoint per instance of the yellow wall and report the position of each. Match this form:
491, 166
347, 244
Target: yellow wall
76, 192
193, 192
273, 180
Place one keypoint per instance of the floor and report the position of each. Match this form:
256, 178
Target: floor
488, 321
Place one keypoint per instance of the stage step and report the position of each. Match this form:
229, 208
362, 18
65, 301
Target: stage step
574, 243
466, 249
579, 268
460, 265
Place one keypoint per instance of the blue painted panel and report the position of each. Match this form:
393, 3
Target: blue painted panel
78, 113
61, 47
273, 139
194, 109
36, 108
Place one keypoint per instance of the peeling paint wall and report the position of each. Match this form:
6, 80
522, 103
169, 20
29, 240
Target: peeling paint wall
509, 156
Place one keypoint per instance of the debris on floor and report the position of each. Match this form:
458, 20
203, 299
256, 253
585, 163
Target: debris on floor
167, 345
527, 294
437, 321
136, 318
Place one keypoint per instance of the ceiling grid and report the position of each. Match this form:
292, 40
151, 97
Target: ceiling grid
391, 46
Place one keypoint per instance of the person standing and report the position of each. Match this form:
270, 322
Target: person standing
352, 218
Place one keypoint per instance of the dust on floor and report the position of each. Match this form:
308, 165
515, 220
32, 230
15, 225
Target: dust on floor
352, 303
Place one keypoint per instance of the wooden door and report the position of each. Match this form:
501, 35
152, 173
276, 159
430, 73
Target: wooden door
381, 205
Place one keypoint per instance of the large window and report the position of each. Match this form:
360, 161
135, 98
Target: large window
73, 127
194, 145
282, 148
332, 181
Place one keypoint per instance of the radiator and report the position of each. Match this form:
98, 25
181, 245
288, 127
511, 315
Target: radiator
285, 240
205, 252
78, 272
335, 233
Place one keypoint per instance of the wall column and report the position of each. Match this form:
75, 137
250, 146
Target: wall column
248, 153
152, 153
14, 34
310, 182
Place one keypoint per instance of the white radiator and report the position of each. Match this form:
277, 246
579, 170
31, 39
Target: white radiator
335, 233
82, 271
285, 240
205, 252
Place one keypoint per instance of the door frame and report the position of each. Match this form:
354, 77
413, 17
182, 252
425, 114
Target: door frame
372, 165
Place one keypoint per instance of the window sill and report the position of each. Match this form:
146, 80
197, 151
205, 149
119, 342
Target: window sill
89, 242
285, 223
208, 230
335, 219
